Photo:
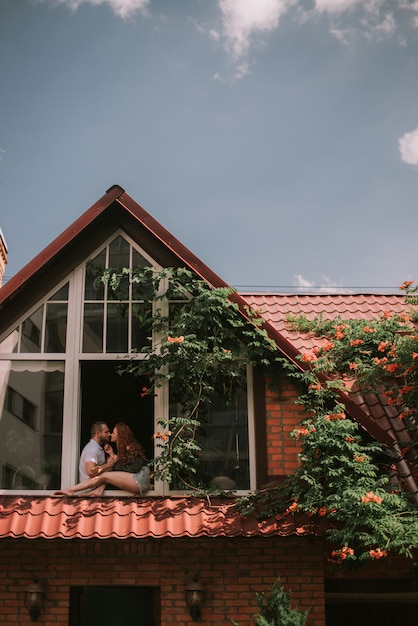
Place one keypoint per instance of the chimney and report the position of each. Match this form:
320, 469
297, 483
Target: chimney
3, 256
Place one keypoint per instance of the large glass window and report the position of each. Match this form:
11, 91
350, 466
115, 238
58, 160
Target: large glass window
224, 458
59, 373
31, 409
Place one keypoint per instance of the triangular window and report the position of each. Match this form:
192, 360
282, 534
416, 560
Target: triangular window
44, 330
114, 321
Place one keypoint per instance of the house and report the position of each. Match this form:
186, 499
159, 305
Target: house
126, 560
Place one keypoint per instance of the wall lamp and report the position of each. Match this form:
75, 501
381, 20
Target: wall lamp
34, 598
194, 598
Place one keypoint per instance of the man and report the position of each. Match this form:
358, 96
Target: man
93, 458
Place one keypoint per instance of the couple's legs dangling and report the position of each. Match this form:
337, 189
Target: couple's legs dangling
122, 480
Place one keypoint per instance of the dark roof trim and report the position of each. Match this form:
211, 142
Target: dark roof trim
29, 271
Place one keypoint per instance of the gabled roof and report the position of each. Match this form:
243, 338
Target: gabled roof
117, 209
31, 517
47, 517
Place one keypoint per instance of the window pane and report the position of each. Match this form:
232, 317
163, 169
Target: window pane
31, 404
117, 327
56, 327
141, 325
95, 268
225, 457
140, 291
61, 294
32, 332
119, 253
10, 343
93, 328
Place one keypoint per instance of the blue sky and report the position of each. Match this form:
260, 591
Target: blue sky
277, 139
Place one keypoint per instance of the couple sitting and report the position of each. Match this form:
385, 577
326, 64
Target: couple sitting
125, 470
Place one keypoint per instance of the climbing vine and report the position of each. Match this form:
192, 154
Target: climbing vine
202, 345
344, 476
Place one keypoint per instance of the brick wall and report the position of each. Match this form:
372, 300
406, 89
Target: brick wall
232, 571
282, 416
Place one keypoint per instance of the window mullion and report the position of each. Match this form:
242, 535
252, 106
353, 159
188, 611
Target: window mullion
71, 421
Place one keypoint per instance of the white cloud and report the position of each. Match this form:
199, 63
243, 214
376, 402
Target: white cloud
300, 281
241, 19
408, 147
327, 285
122, 8
336, 6
374, 17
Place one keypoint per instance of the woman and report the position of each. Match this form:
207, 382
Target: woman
129, 472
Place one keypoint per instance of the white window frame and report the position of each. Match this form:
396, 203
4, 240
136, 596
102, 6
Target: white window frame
72, 359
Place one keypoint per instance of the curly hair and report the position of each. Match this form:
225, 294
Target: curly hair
128, 446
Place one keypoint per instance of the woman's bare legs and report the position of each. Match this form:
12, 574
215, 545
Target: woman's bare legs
122, 480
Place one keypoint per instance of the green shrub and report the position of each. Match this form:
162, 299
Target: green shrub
275, 609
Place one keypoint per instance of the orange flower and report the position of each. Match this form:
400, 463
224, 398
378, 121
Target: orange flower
369, 329
405, 390
404, 317
378, 553
328, 345
145, 391
353, 366
307, 358
387, 315
392, 367
406, 284
301, 432
175, 339
371, 497
335, 416
339, 331
382, 346
356, 342
163, 436
415, 355
359, 458
316, 386
340, 555
292, 508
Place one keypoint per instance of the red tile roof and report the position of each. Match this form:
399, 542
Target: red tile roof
121, 518
274, 308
